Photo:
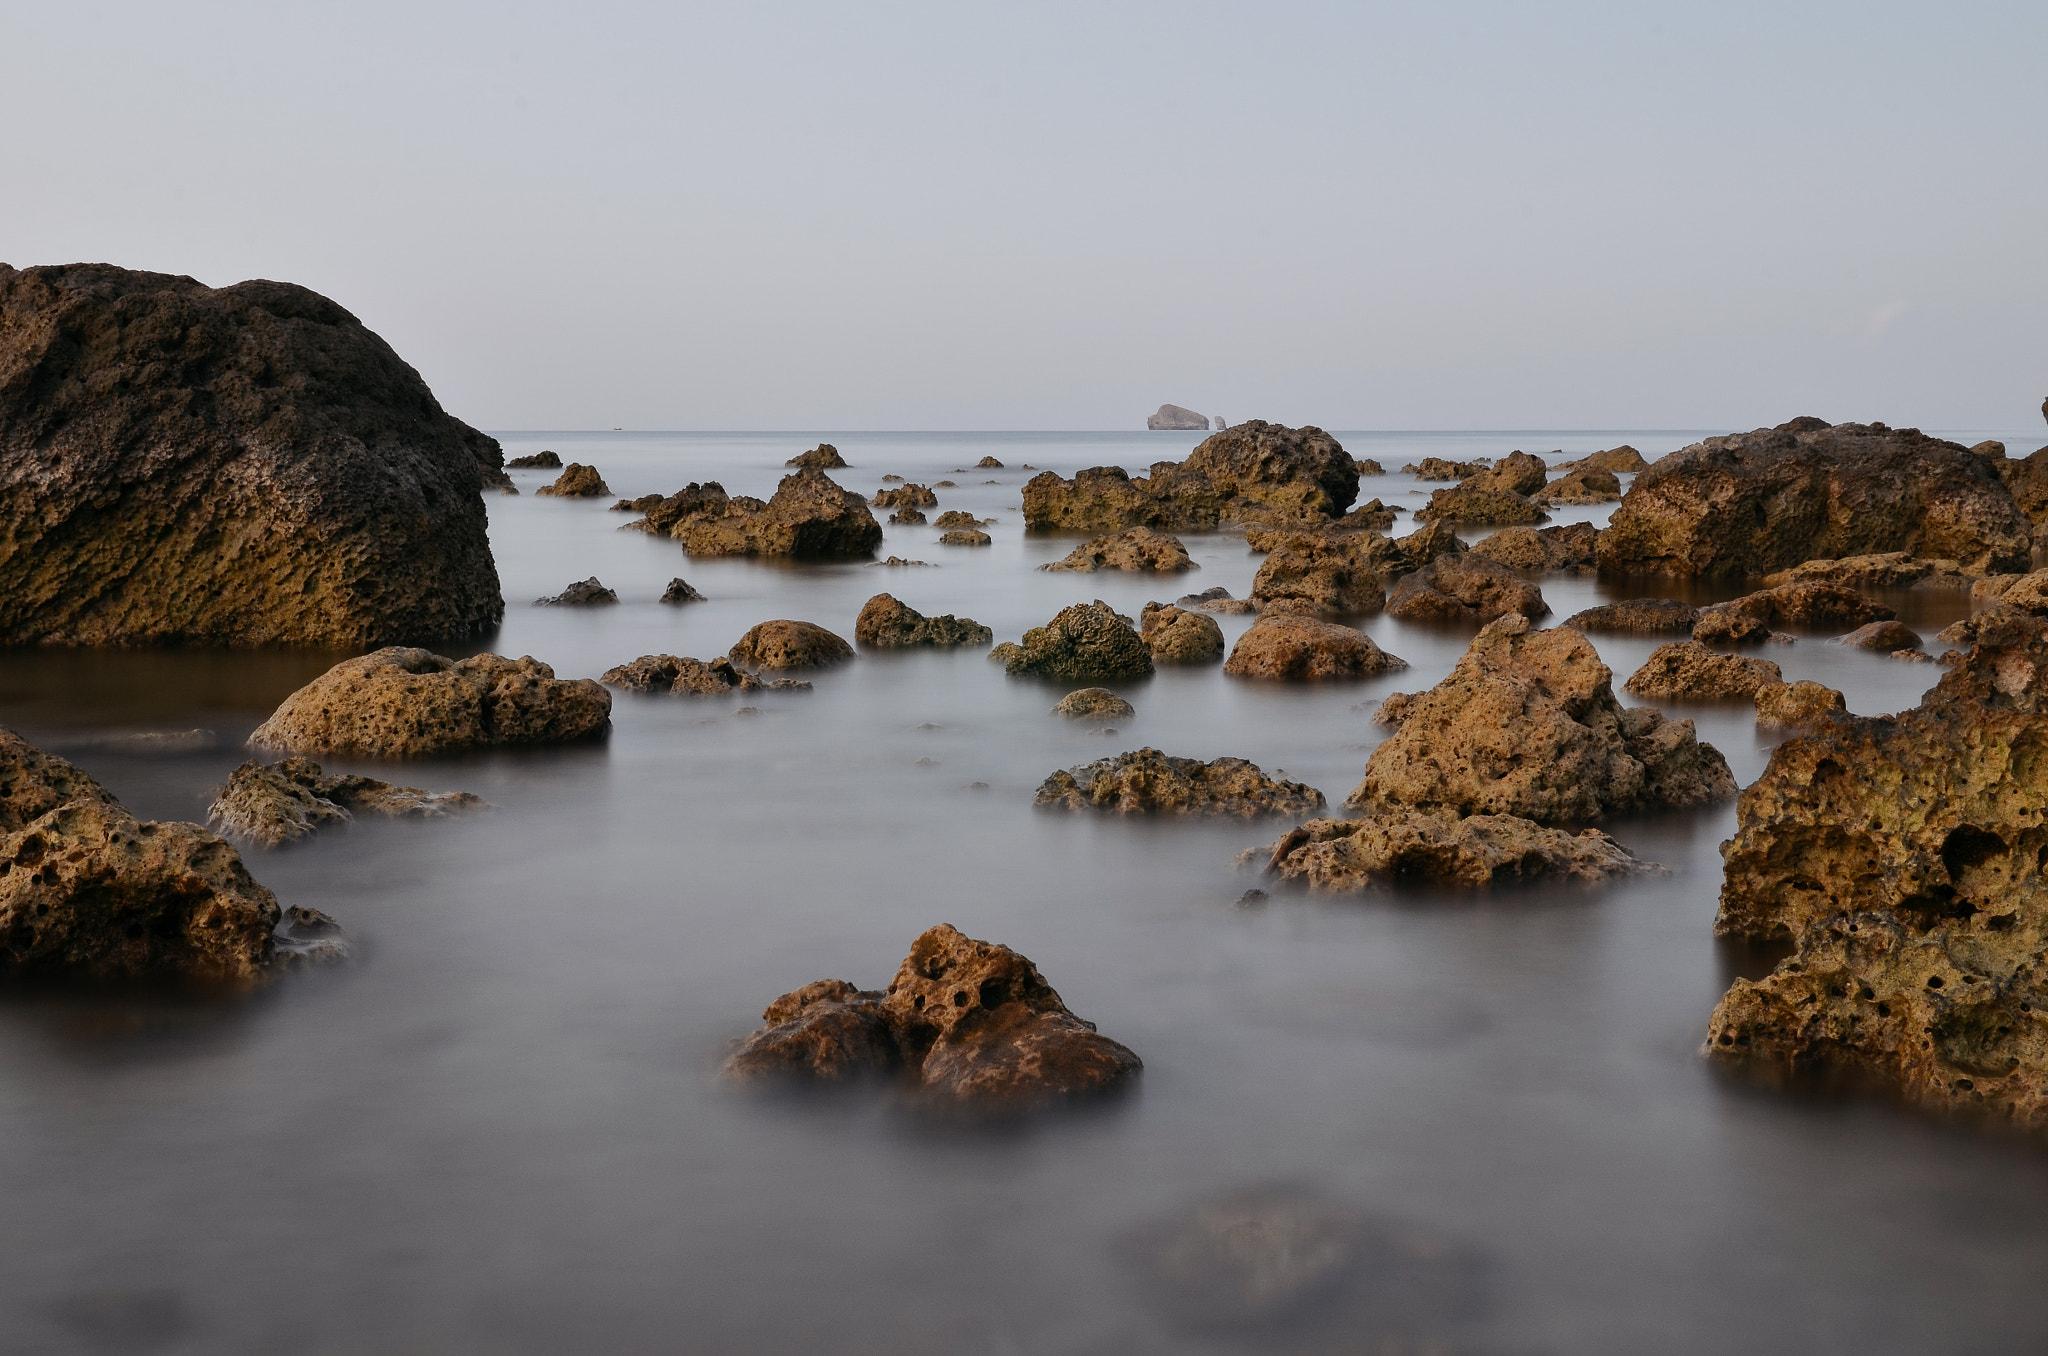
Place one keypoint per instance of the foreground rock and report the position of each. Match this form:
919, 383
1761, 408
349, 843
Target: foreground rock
1253, 472
1476, 852
690, 677
1297, 649
589, 592
1688, 670
1134, 548
537, 461
823, 457
809, 516
1637, 616
293, 798
964, 1023
1898, 855
1330, 574
1526, 724
1094, 703
404, 703
1150, 782
577, 481
1176, 418
1755, 503
1175, 636
885, 624
91, 891
244, 465
1464, 588
1888, 570
1569, 546
1085, 643
784, 644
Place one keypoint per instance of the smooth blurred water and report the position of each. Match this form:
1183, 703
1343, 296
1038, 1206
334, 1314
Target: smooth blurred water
499, 1132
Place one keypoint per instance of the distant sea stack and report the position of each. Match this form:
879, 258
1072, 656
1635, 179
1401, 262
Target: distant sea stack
245, 465
1177, 417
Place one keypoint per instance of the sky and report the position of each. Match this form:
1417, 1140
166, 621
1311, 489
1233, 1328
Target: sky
1058, 216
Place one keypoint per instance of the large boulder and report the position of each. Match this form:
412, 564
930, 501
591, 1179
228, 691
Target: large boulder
1178, 418
1622, 460
1899, 855
1569, 546
1637, 616
577, 481
784, 644
1754, 503
886, 624
1134, 548
1688, 670
967, 1024
244, 465
1526, 724
1176, 636
1255, 471
403, 703
1085, 643
293, 798
1474, 852
1149, 782
809, 516
1481, 505
1331, 574
1292, 648
1464, 588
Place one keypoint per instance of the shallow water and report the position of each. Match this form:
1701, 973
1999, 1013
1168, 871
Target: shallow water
498, 1131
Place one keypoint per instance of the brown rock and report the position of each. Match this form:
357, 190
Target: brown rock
1811, 603
827, 1031
1476, 852
1085, 643
1418, 548
1482, 505
1796, 705
886, 624
1372, 516
1725, 625
1368, 467
809, 517
1889, 569
1175, 636
1294, 648
1882, 636
823, 457
1333, 574
1622, 460
689, 677
589, 592
1566, 547
2027, 478
1526, 724
538, 461
1094, 703
789, 645
577, 482
1466, 588
1441, 468
954, 518
1150, 782
1636, 616
907, 517
965, 537
1516, 473
1255, 470
404, 703
1689, 670
988, 464
1134, 548
905, 496
293, 799
679, 591
1587, 485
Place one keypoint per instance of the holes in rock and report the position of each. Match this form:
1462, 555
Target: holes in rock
1934, 981
993, 992
1967, 845
960, 998
917, 1003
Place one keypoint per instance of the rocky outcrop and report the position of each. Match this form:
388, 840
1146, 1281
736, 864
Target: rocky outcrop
690, 677
906, 496
641, 505
1441, 468
282, 802
809, 517
954, 518
577, 481
1476, 852
823, 457
1368, 467
1293, 648
1149, 782
2001, 597
589, 592
907, 517
1177, 418
1085, 643
1526, 724
537, 461
964, 1024
1689, 670
966, 537
885, 624
1887, 570
1464, 588
1637, 616
243, 465
1330, 574
1586, 485
1811, 603
1724, 625
1541, 549
1253, 472
1885, 637
1481, 505
1371, 516
1755, 503
1134, 548
784, 644
1094, 703
1796, 706
404, 703
1175, 636
1901, 858
1622, 460
2027, 479
988, 464
679, 591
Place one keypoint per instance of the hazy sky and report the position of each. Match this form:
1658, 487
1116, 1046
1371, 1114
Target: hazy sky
1058, 216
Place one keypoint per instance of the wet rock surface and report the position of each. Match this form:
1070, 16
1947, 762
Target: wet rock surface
1094, 703
589, 592
577, 481
1568, 546
293, 798
823, 457
1085, 643
906, 496
966, 537
1474, 852
537, 461
887, 624
1177, 636
1254, 471
954, 518
1622, 460
1688, 670
1637, 616
809, 517
1796, 706
907, 517
690, 677
1331, 574
1585, 485
1888, 569
1481, 505
1134, 548
679, 591
243, 465
1464, 588
1441, 468
784, 644
401, 703
1811, 603
1150, 782
1295, 648
1881, 636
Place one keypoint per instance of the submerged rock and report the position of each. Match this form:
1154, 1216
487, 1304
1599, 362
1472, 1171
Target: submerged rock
906, 496
1294, 648
1464, 588
1151, 782
810, 516
293, 798
1586, 485
988, 464
1797, 705
786, 644
403, 703
954, 518
966, 537
1253, 471
1888, 570
679, 591
1094, 703
1134, 548
1689, 670
1526, 724
1568, 546
690, 677
1637, 616
823, 457
1474, 852
1085, 643
966, 1023
907, 517
1175, 636
1885, 637
886, 624
584, 593
577, 481
244, 465
537, 461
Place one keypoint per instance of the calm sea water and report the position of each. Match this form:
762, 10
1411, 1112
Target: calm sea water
499, 1132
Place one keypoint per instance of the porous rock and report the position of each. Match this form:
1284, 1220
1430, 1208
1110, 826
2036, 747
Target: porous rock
907, 517
1331, 574
1882, 636
535, 461
1442, 468
823, 457
886, 624
577, 481
1464, 588
1886, 569
1566, 547
1480, 505
679, 591
1094, 703
1586, 485
1637, 616
1796, 705
905, 496
809, 516
294, 798
1134, 548
1151, 782
966, 537
1253, 471
1517, 473
1808, 603
589, 592
1295, 648
955, 518
1474, 852
1622, 460
988, 464
1085, 643
1689, 670
689, 677
784, 644
1177, 636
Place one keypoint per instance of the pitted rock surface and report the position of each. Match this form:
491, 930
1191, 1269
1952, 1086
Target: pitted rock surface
577, 481
1330, 574
1176, 636
1149, 782
823, 457
1637, 616
1464, 588
1293, 648
1085, 643
1475, 852
294, 798
886, 624
1255, 471
1689, 670
784, 644
809, 517
1568, 546
1134, 548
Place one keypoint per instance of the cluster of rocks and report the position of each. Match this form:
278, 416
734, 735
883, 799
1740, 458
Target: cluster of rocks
683, 676
809, 516
1085, 643
886, 624
1150, 782
1496, 496
1253, 472
577, 481
293, 798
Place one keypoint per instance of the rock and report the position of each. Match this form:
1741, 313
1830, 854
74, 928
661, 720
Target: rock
1990, 448
1209, 595
1472, 502
809, 517
1464, 588
907, 517
789, 645
1526, 724
954, 518
966, 1023
1439, 468
1085, 643
1094, 703
1516, 473
1368, 467
892, 480
640, 505
1897, 854
1587, 485
1150, 782
823, 457
1418, 548
538, 461
1636, 616
1724, 625
577, 481
988, 464
585, 593
1332, 574
906, 496
945, 485
293, 799
1134, 548
244, 465
1372, 516
1812, 603
899, 560
1175, 636
1755, 503
679, 591
689, 677
1889, 570
1005, 653
1475, 852
2027, 479
1689, 670
1566, 547
886, 624
1282, 646
1622, 460
1882, 636
405, 703
1253, 471
964, 537
1176, 417
1796, 705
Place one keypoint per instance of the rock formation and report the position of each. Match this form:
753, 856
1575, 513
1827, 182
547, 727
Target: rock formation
885, 624
1586, 485
2027, 478
1295, 648
1338, 856
954, 518
537, 461
1464, 588
988, 464
1621, 460
242, 465
905, 496
1176, 418
1440, 468
786, 644
823, 457
907, 517
577, 481
1690, 671
966, 1024
1134, 548
1330, 574
1541, 549
589, 592
966, 537
1150, 782
1637, 616
1796, 706
1811, 603
403, 703
1480, 505
808, 517
684, 676
1085, 643
293, 798
1755, 503
679, 591
1253, 472
640, 505
1094, 703
1885, 637
1175, 636
1889, 570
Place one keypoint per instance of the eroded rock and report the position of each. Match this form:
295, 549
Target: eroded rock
1622, 460
954, 518
1888, 569
1480, 504
1464, 588
1085, 643
1134, 548
1475, 852
1689, 670
1295, 648
1442, 468
679, 591
810, 516
1566, 547
907, 517
1586, 485
905, 496
537, 461
784, 644
1331, 574
1176, 636
690, 677
589, 592
1254, 471
887, 624
1637, 616
1151, 782
1796, 706
577, 481
966, 537
294, 798
823, 457
1094, 703
1881, 636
